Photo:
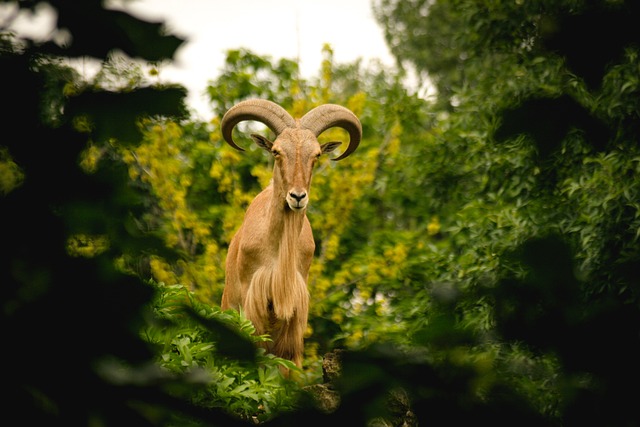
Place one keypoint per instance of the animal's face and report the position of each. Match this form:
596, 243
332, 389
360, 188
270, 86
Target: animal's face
295, 152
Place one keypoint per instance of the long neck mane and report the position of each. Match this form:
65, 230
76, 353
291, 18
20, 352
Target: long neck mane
288, 288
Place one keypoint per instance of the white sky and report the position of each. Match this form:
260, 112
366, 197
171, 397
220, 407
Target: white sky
275, 28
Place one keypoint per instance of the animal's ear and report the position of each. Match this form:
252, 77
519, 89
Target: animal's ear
262, 141
330, 146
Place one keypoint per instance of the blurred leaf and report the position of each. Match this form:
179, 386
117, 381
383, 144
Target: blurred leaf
97, 31
117, 114
593, 38
548, 120
229, 343
540, 307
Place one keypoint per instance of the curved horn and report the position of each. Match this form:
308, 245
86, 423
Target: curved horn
269, 113
327, 116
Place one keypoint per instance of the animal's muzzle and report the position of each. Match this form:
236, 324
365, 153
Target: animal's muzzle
297, 200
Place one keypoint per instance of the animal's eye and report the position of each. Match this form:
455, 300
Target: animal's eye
275, 153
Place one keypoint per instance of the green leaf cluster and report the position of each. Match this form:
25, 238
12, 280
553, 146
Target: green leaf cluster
196, 340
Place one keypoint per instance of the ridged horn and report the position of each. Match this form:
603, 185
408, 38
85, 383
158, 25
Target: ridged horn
328, 116
269, 113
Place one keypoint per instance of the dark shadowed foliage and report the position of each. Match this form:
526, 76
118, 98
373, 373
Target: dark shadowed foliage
73, 323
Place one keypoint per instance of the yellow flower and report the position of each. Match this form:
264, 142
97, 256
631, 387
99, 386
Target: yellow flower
433, 227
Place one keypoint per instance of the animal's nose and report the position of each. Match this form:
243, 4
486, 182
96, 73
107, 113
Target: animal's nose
298, 196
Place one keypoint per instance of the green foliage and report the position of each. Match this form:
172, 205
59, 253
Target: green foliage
202, 341
480, 250
527, 149
246, 74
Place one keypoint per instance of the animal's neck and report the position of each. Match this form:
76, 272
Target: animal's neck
286, 226
291, 227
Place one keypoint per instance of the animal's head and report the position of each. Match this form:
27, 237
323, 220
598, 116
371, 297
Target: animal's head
296, 147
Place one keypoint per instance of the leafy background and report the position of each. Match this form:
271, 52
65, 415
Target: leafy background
479, 251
